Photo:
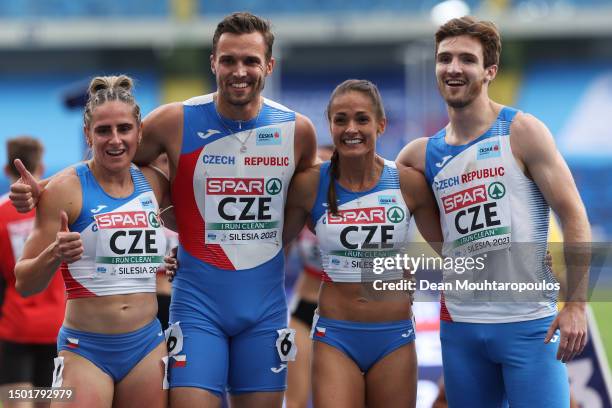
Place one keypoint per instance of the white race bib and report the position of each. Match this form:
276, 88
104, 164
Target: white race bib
243, 211
130, 244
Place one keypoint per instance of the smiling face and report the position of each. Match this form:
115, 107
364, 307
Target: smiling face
460, 70
354, 124
113, 135
240, 67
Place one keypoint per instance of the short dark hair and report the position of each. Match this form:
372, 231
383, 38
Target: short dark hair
26, 148
484, 31
244, 23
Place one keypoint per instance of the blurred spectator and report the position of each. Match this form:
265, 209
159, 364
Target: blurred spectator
28, 327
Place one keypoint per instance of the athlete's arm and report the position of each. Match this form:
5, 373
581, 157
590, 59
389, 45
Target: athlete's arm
305, 143
300, 200
422, 205
161, 187
50, 243
534, 147
162, 131
413, 155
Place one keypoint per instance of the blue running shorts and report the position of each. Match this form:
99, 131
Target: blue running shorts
488, 365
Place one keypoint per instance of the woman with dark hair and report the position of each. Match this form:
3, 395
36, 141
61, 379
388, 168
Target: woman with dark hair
359, 206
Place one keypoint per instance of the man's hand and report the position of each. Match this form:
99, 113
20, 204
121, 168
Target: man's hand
171, 264
69, 247
571, 320
26, 190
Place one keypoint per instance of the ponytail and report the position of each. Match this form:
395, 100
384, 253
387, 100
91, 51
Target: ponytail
334, 170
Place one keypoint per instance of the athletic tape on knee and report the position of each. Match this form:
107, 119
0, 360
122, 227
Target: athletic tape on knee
165, 383
58, 372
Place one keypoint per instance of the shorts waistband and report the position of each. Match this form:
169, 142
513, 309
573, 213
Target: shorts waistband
120, 338
355, 325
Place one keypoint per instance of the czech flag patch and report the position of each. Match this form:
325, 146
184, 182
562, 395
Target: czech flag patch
180, 361
72, 342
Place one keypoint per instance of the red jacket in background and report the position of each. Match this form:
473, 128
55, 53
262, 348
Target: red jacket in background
35, 319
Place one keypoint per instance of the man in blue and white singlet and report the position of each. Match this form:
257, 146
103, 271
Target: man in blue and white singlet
231, 155
495, 173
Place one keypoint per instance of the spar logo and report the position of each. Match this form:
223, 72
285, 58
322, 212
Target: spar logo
122, 220
274, 186
488, 150
154, 219
464, 198
235, 186
268, 137
497, 190
371, 215
395, 214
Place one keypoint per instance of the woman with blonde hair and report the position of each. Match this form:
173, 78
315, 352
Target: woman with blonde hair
99, 222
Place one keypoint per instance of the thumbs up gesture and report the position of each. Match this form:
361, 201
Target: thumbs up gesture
26, 190
68, 245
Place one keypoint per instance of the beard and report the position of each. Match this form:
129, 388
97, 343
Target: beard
464, 99
243, 100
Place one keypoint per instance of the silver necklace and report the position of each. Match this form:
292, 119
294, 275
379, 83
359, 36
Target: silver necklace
232, 133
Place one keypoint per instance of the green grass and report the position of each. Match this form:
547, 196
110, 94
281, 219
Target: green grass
603, 311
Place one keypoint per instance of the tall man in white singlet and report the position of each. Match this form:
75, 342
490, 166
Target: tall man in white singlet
496, 173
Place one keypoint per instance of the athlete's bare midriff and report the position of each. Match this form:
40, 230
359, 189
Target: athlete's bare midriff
111, 314
360, 302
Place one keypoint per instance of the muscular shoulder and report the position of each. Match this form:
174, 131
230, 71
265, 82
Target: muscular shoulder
526, 125
164, 119
167, 112
64, 180
302, 122
530, 137
63, 192
413, 154
305, 142
162, 131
